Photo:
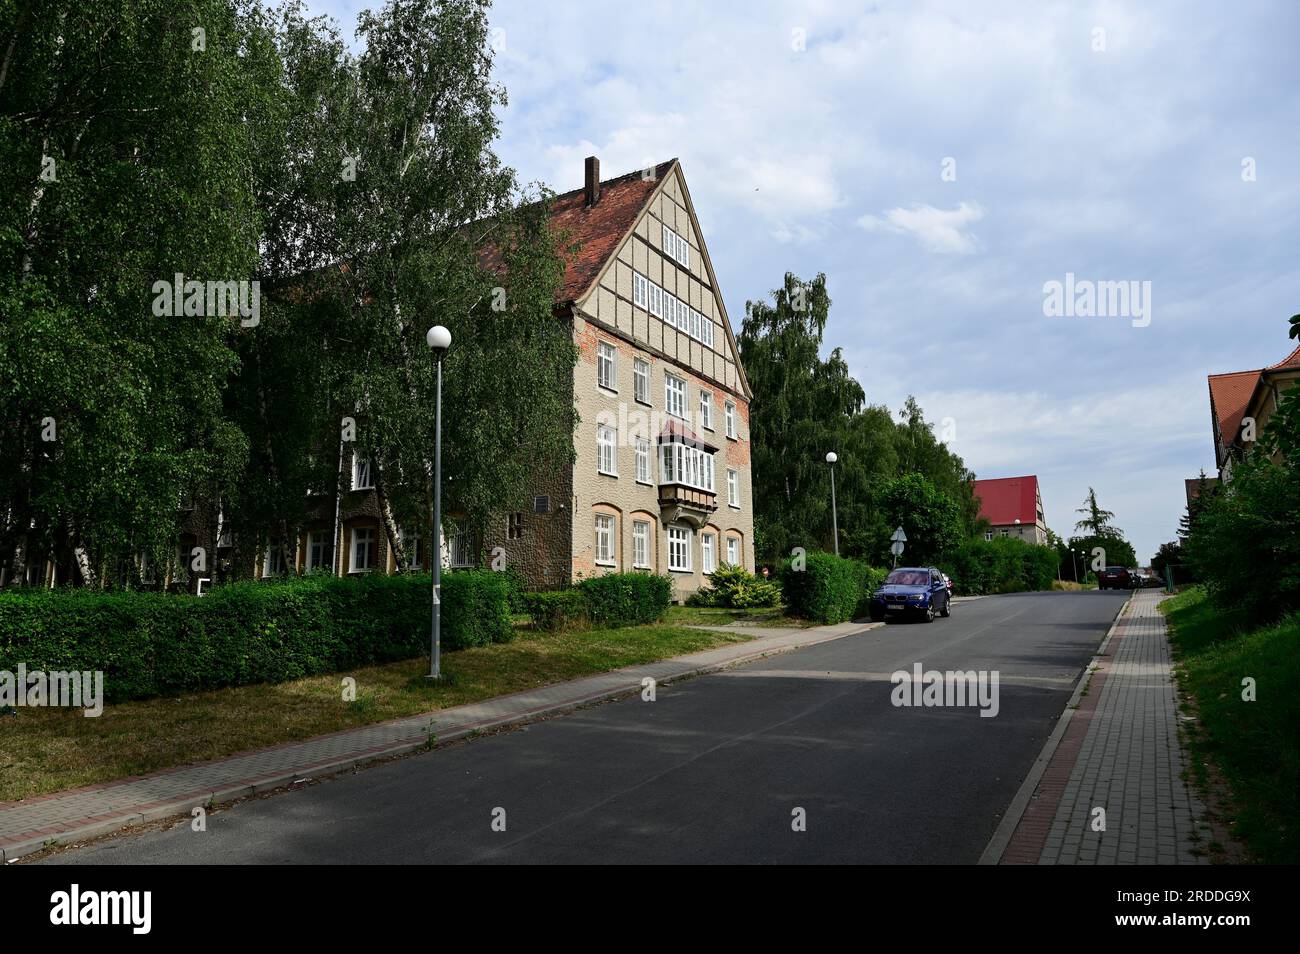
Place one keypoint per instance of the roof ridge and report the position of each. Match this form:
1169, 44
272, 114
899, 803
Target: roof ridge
619, 178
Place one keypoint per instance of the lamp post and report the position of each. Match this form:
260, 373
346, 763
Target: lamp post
831, 458
439, 339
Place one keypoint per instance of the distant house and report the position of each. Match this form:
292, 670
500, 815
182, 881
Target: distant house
1013, 506
1241, 402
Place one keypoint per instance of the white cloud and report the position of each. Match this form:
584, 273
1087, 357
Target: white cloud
938, 230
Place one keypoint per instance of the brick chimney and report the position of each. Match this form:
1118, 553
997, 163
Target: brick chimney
593, 180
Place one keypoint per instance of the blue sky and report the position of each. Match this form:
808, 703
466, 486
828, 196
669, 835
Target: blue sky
1101, 139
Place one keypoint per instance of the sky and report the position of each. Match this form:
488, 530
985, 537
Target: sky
943, 163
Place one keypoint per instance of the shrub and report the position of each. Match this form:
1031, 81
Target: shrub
152, 644
735, 587
872, 578
555, 610
1003, 565
1245, 544
476, 604
625, 599
827, 589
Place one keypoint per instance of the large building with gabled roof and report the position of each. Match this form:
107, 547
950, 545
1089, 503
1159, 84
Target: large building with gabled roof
661, 477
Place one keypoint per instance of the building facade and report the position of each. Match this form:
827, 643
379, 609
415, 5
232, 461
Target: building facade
1241, 403
1013, 506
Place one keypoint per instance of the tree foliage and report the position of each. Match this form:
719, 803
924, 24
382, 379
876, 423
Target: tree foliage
805, 405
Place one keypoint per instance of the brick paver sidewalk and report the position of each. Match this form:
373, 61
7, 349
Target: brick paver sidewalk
63, 817
1120, 752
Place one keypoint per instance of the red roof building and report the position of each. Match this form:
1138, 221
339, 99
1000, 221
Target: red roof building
1241, 402
1013, 506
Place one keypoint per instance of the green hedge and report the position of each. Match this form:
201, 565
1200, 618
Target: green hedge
555, 610
734, 587
152, 644
1001, 565
626, 599
873, 577
827, 589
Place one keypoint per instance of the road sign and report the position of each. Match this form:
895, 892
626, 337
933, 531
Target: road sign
899, 536
896, 548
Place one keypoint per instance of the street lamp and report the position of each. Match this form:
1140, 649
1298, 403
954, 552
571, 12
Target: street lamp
439, 339
831, 458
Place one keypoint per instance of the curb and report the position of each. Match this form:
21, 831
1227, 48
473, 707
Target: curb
1002, 835
64, 834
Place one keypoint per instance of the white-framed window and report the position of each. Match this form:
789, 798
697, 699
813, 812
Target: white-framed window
411, 545
515, 526
605, 369
677, 247
365, 546
642, 460
708, 555
363, 477
683, 464
733, 551
675, 396
606, 450
640, 544
733, 487
731, 419
641, 380
605, 539
273, 561
320, 551
679, 549
706, 410
671, 309
988, 535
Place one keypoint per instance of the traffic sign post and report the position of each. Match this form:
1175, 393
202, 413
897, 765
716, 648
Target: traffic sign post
896, 548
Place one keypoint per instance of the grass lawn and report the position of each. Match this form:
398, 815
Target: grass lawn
720, 616
1254, 745
46, 750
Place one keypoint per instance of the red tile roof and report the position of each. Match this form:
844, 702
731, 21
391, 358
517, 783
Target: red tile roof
598, 228
1003, 500
1229, 395
1290, 361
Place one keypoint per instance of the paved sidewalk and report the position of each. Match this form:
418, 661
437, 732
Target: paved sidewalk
64, 817
1120, 752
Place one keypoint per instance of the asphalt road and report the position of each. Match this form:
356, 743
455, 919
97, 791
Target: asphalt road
712, 771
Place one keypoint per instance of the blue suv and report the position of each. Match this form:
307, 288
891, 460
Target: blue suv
912, 591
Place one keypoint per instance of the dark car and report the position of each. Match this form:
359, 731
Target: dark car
1114, 578
912, 591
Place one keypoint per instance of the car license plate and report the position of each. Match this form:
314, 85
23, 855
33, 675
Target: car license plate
894, 606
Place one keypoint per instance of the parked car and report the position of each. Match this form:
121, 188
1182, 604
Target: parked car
947, 581
1114, 578
914, 591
